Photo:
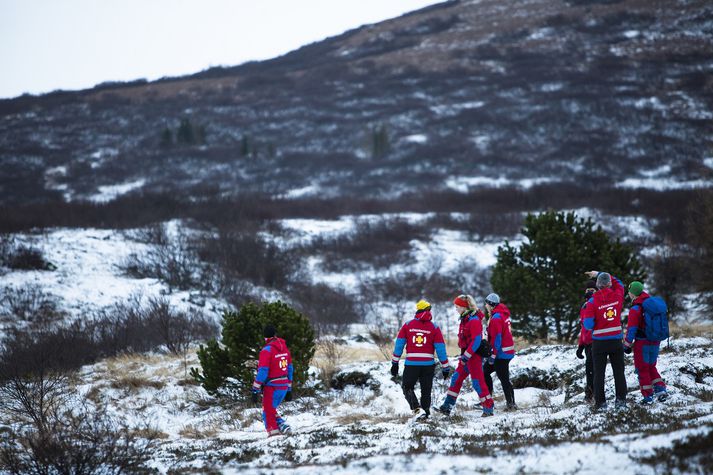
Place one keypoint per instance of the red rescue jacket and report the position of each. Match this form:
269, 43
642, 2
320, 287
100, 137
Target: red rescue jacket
499, 333
421, 338
585, 336
636, 324
603, 316
274, 367
463, 334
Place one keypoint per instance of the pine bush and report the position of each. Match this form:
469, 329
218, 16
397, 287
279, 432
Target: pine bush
542, 281
229, 367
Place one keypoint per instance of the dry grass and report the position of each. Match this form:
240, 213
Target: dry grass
135, 383
688, 331
191, 431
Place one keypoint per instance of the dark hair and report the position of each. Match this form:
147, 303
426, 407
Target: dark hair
268, 331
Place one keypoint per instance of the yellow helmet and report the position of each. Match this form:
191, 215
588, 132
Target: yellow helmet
422, 305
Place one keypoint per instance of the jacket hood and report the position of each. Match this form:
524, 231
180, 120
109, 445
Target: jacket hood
424, 316
640, 299
277, 343
502, 310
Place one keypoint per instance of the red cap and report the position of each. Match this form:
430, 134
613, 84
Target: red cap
461, 301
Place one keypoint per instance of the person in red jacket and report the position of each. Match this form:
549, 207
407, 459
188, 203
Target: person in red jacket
421, 338
646, 352
274, 380
603, 319
472, 360
585, 342
466, 307
503, 347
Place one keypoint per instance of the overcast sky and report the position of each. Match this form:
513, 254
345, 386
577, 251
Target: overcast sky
73, 44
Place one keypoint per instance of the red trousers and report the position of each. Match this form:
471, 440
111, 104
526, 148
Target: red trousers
457, 379
645, 356
477, 377
271, 398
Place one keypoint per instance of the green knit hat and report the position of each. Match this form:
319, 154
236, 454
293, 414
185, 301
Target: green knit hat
636, 287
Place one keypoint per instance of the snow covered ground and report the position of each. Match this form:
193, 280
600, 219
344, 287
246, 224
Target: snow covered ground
369, 429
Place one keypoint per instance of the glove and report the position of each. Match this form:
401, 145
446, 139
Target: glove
254, 396
464, 358
627, 350
580, 349
288, 395
446, 372
394, 369
491, 361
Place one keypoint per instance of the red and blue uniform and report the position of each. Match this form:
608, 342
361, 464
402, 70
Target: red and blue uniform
474, 362
274, 377
646, 352
602, 314
499, 333
461, 371
421, 338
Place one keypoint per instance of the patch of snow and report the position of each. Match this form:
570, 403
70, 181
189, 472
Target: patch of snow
416, 138
708, 161
309, 190
464, 184
664, 184
110, 192
632, 34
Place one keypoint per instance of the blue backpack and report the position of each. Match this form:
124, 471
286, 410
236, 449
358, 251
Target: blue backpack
656, 319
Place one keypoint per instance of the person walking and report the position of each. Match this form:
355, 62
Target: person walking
503, 348
473, 361
466, 307
274, 380
585, 342
603, 319
646, 351
421, 338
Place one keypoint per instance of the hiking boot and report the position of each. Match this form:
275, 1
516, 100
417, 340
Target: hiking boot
444, 409
647, 400
284, 428
511, 407
488, 412
600, 407
423, 417
662, 395
620, 405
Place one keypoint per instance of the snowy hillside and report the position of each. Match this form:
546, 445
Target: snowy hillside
368, 428
463, 94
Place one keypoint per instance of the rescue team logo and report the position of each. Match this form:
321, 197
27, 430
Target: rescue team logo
419, 339
610, 314
283, 363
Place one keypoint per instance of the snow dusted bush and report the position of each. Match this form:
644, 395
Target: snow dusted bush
229, 368
170, 260
29, 303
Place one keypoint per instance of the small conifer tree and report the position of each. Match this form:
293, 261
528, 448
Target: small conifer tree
229, 367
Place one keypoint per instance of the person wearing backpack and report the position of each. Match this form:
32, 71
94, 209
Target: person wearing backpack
603, 319
584, 349
466, 307
647, 325
503, 348
421, 338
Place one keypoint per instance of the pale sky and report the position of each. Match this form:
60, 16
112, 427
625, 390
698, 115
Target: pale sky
74, 44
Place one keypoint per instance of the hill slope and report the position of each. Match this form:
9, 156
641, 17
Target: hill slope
455, 95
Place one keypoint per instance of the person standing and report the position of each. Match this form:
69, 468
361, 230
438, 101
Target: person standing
603, 319
503, 347
466, 307
274, 380
646, 351
421, 338
585, 342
